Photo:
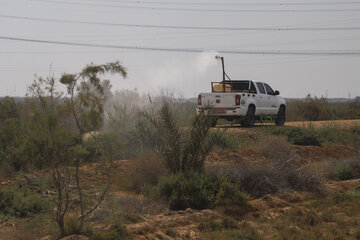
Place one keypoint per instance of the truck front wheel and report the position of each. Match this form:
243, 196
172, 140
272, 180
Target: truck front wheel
280, 117
249, 118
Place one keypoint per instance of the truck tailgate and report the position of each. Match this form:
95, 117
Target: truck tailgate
218, 100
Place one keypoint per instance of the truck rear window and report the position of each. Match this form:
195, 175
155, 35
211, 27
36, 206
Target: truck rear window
242, 86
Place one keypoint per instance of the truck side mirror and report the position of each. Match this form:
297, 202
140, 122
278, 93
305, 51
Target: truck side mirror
277, 93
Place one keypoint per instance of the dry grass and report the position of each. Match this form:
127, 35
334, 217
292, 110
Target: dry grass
281, 169
145, 171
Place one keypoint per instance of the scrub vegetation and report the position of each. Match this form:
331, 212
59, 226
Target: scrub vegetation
77, 158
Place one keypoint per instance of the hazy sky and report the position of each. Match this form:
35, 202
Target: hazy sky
183, 72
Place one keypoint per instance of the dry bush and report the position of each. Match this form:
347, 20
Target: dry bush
354, 164
131, 209
259, 180
275, 147
145, 171
132, 206
283, 171
341, 169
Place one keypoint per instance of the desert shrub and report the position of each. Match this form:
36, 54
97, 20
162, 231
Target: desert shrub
343, 172
227, 140
275, 147
313, 108
20, 202
229, 223
239, 234
354, 165
210, 225
146, 171
283, 171
115, 233
180, 150
310, 109
307, 138
261, 180
303, 217
72, 226
107, 235
198, 191
328, 134
171, 232
300, 136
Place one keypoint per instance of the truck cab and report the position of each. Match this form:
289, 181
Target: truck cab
243, 100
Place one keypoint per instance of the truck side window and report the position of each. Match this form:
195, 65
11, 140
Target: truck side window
269, 89
252, 88
261, 88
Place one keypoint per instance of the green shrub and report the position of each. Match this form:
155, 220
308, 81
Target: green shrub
227, 140
210, 225
300, 136
343, 172
307, 138
114, 234
229, 194
117, 230
72, 226
179, 149
229, 223
20, 202
170, 232
198, 191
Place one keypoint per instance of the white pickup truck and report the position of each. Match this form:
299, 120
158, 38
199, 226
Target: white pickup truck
243, 100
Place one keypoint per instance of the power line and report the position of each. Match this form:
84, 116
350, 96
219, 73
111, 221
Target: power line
237, 4
184, 27
64, 52
201, 9
193, 50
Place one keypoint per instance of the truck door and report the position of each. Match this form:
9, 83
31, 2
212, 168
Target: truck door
271, 100
260, 99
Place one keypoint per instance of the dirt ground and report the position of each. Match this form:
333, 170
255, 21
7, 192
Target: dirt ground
319, 124
316, 124
154, 221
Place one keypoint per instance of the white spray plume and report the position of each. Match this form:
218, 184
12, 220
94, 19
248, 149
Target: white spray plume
204, 61
182, 74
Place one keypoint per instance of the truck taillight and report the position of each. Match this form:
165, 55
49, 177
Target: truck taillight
237, 99
199, 100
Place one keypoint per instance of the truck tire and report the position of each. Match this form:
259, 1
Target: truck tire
249, 118
214, 122
280, 117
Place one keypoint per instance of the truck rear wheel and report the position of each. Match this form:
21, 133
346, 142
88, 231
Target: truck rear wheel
249, 119
280, 117
214, 122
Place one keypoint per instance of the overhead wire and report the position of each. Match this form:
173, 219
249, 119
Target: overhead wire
182, 27
200, 9
193, 50
236, 3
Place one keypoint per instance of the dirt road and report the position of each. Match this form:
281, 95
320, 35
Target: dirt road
320, 124
316, 124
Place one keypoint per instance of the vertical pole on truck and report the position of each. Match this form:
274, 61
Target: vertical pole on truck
223, 68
